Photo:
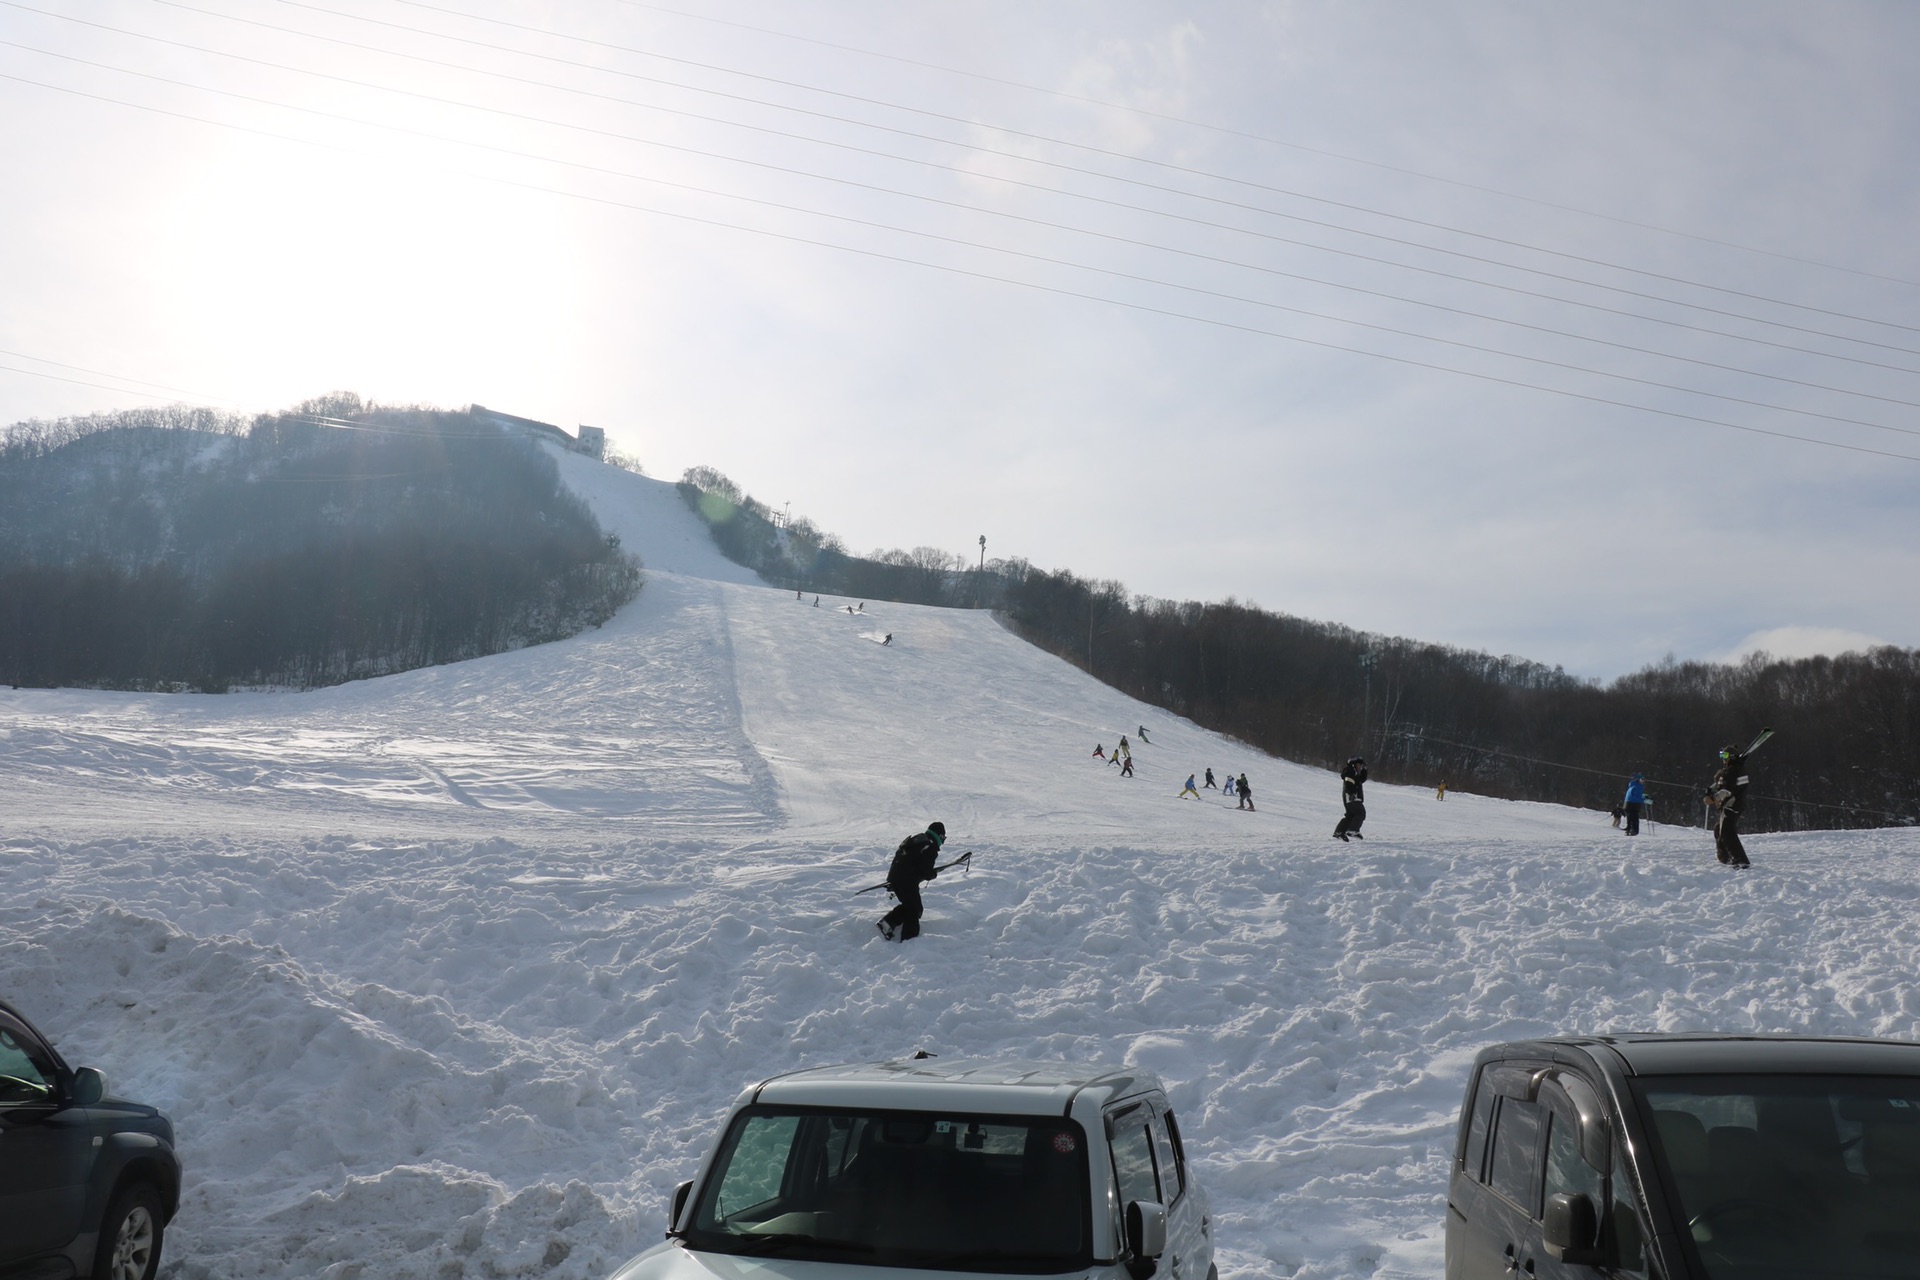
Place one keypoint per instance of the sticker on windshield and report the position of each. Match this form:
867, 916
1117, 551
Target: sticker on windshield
1063, 1143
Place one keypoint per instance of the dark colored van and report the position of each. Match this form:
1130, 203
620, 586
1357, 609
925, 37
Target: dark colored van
1688, 1157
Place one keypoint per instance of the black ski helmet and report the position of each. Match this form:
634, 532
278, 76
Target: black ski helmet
937, 829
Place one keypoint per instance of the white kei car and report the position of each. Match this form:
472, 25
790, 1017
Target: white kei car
924, 1165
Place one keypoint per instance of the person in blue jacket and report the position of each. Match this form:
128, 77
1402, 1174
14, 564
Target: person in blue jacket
1636, 803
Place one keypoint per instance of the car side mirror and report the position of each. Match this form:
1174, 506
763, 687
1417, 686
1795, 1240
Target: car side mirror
1571, 1230
89, 1086
1146, 1236
680, 1194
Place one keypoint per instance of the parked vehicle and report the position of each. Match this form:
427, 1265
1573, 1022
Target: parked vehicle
1688, 1157
88, 1182
1012, 1168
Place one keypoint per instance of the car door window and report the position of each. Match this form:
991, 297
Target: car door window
1133, 1157
1479, 1124
1567, 1171
1171, 1182
22, 1078
1516, 1146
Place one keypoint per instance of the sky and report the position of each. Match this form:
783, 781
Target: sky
1583, 333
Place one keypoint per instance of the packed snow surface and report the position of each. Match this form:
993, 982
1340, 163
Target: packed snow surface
452, 973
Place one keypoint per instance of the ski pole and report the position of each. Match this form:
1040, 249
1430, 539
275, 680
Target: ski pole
964, 860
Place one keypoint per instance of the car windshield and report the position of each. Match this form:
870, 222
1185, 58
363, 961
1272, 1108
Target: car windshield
1792, 1175
936, 1190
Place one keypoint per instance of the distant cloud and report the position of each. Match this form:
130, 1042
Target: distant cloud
1802, 642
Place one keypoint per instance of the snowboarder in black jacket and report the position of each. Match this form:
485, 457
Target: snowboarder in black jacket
1728, 793
1353, 780
914, 863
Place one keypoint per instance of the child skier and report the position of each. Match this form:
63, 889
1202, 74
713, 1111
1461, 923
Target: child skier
1189, 790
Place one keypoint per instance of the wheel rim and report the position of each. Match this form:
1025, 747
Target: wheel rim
133, 1246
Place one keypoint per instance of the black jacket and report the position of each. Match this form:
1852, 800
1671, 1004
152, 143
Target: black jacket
1732, 781
914, 860
1352, 779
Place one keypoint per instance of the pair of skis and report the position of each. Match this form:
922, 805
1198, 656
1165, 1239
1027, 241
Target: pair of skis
964, 861
1756, 744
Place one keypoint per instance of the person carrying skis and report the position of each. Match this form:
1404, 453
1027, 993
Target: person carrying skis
1353, 781
914, 863
1210, 781
1635, 804
1246, 795
1728, 793
1189, 790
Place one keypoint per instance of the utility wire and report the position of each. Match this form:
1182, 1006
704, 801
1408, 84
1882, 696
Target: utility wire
1132, 277
79, 382
1014, 281
1095, 173
1229, 131
1690, 788
998, 213
1026, 185
99, 373
1088, 147
1009, 280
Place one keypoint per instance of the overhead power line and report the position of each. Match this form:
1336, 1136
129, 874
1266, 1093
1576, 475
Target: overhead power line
1067, 142
1009, 215
1063, 167
1692, 789
1047, 259
1039, 187
989, 276
1230, 131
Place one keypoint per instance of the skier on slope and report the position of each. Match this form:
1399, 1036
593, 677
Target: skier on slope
1126, 767
1142, 735
1353, 781
1246, 795
1635, 803
1226, 788
1188, 790
913, 864
1099, 751
1728, 793
1210, 781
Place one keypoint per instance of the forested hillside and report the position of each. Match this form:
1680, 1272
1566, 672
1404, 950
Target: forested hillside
1846, 753
186, 548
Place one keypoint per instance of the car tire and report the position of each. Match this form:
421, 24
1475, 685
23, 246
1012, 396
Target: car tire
130, 1236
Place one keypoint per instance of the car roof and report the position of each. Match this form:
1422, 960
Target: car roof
1698, 1053
985, 1085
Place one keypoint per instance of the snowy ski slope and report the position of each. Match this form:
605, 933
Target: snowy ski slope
450, 974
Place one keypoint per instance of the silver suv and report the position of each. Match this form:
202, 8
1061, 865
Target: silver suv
1009, 1168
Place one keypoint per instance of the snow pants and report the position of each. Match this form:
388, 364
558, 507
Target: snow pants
906, 916
1633, 817
1356, 814
1726, 840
